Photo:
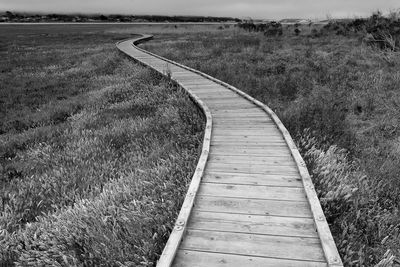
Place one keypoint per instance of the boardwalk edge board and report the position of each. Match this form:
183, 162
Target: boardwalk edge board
169, 252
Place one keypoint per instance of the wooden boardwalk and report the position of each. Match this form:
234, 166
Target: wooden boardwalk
251, 201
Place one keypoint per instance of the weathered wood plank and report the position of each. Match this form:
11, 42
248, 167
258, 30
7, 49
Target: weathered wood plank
212, 94
253, 179
199, 82
249, 143
255, 224
244, 138
242, 105
251, 162
192, 258
229, 109
254, 160
218, 99
241, 115
265, 133
253, 206
294, 248
247, 168
218, 150
267, 148
252, 192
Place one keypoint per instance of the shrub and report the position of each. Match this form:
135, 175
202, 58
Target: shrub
324, 112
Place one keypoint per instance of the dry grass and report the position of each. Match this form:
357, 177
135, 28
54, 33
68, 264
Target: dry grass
337, 95
96, 153
344, 94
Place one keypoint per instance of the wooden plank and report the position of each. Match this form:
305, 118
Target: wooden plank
237, 127
248, 138
233, 101
252, 179
217, 150
266, 132
239, 115
199, 82
204, 86
240, 105
232, 109
243, 122
215, 89
277, 145
242, 116
252, 192
240, 169
220, 97
251, 169
249, 143
257, 119
184, 79
293, 248
186, 75
234, 113
254, 160
268, 146
229, 98
244, 127
253, 206
190, 76
213, 93
231, 132
192, 258
255, 224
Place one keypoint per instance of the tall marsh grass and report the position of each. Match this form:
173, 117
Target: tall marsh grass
346, 93
98, 171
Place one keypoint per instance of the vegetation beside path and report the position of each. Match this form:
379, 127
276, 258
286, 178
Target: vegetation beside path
338, 95
96, 153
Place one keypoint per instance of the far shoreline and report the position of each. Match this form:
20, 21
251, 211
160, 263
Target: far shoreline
117, 23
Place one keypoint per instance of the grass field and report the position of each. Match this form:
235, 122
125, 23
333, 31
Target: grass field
340, 100
337, 96
96, 152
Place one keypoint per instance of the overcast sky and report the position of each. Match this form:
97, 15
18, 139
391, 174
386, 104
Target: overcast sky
269, 9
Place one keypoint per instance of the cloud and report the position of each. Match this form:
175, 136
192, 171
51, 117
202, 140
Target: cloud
273, 9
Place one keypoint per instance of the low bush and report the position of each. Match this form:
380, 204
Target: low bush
378, 30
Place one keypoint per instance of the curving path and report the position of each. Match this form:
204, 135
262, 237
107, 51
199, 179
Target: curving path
251, 201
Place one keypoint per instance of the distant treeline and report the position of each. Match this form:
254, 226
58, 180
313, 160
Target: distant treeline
23, 17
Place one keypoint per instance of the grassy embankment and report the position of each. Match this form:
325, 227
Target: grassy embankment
95, 151
340, 99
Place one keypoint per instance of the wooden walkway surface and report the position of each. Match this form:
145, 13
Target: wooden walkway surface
251, 201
